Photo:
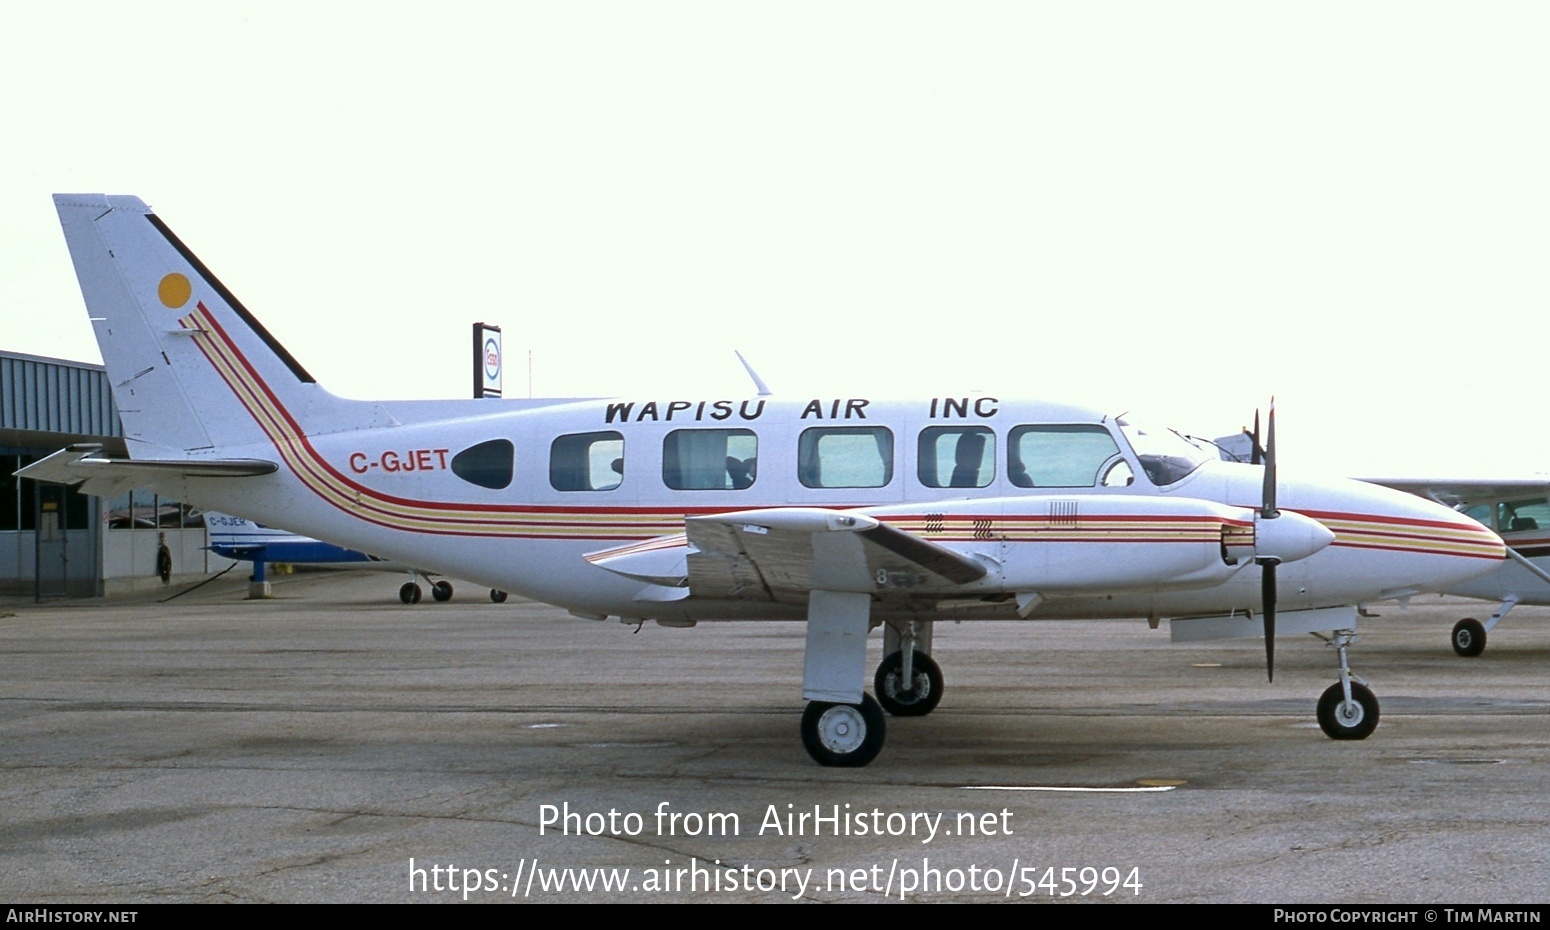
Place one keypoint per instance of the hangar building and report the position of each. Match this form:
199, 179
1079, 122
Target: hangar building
55, 542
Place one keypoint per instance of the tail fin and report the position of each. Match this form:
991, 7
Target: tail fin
191, 369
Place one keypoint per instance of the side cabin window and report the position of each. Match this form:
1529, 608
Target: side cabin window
845, 457
1482, 514
710, 459
587, 461
1079, 455
487, 464
1523, 516
956, 457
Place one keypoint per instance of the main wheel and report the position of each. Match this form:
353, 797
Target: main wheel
442, 591
1468, 637
409, 593
1356, 720
920, 698
843, 734
498, 597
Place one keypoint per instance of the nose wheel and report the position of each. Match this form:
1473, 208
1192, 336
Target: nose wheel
1355, 718
843, 734
1347, 709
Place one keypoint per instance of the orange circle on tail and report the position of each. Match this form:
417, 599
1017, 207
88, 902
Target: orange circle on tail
174, 290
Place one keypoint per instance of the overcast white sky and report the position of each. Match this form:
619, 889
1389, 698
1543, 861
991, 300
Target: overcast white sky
1174, 208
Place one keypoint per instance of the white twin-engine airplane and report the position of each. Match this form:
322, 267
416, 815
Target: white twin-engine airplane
850, 513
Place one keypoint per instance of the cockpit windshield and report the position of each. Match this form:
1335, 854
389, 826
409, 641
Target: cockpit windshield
1166, 455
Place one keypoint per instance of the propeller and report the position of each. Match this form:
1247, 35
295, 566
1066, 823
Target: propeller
1268, 511
1256, 451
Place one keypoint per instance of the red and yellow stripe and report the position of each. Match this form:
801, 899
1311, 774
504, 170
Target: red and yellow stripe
1408, 534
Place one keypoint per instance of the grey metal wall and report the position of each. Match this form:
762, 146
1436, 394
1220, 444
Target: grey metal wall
54, 396
45, 405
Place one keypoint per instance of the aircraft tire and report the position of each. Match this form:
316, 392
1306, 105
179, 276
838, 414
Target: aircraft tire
1353, 723
497, 596
848, 735
409, 593
913, 702
442, 591
1468, 637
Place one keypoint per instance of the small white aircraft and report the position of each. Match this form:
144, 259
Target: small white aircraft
250, 541
848, 512
1519, 511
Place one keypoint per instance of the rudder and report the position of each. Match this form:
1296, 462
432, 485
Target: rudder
192, 370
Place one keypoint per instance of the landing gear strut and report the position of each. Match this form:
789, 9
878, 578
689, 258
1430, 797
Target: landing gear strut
1347, 709
1469, 633
843, 725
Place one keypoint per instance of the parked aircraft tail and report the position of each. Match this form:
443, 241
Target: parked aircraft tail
191, 369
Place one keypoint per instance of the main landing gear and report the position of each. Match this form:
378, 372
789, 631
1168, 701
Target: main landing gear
1469, 633
843, 725
410, 593
843, 734
1347, 709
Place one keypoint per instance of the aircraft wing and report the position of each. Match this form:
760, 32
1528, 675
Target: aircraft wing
108, 477
783, 554
1455, 492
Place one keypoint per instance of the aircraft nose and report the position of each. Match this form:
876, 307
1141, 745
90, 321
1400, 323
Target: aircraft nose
1423, 545
1289, 536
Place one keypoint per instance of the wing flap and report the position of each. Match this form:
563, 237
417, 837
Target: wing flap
783, 554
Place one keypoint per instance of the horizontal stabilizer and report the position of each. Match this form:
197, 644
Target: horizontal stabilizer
108, 477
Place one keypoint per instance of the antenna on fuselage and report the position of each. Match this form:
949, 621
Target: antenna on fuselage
758, 382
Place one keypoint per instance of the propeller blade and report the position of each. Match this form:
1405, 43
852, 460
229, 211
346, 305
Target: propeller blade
1267, 593
1269, 508
1268, 511
1255, 449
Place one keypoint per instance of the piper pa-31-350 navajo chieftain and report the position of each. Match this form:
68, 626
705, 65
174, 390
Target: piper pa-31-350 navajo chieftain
846, 512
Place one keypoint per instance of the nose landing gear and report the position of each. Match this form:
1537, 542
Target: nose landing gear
1348, 709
